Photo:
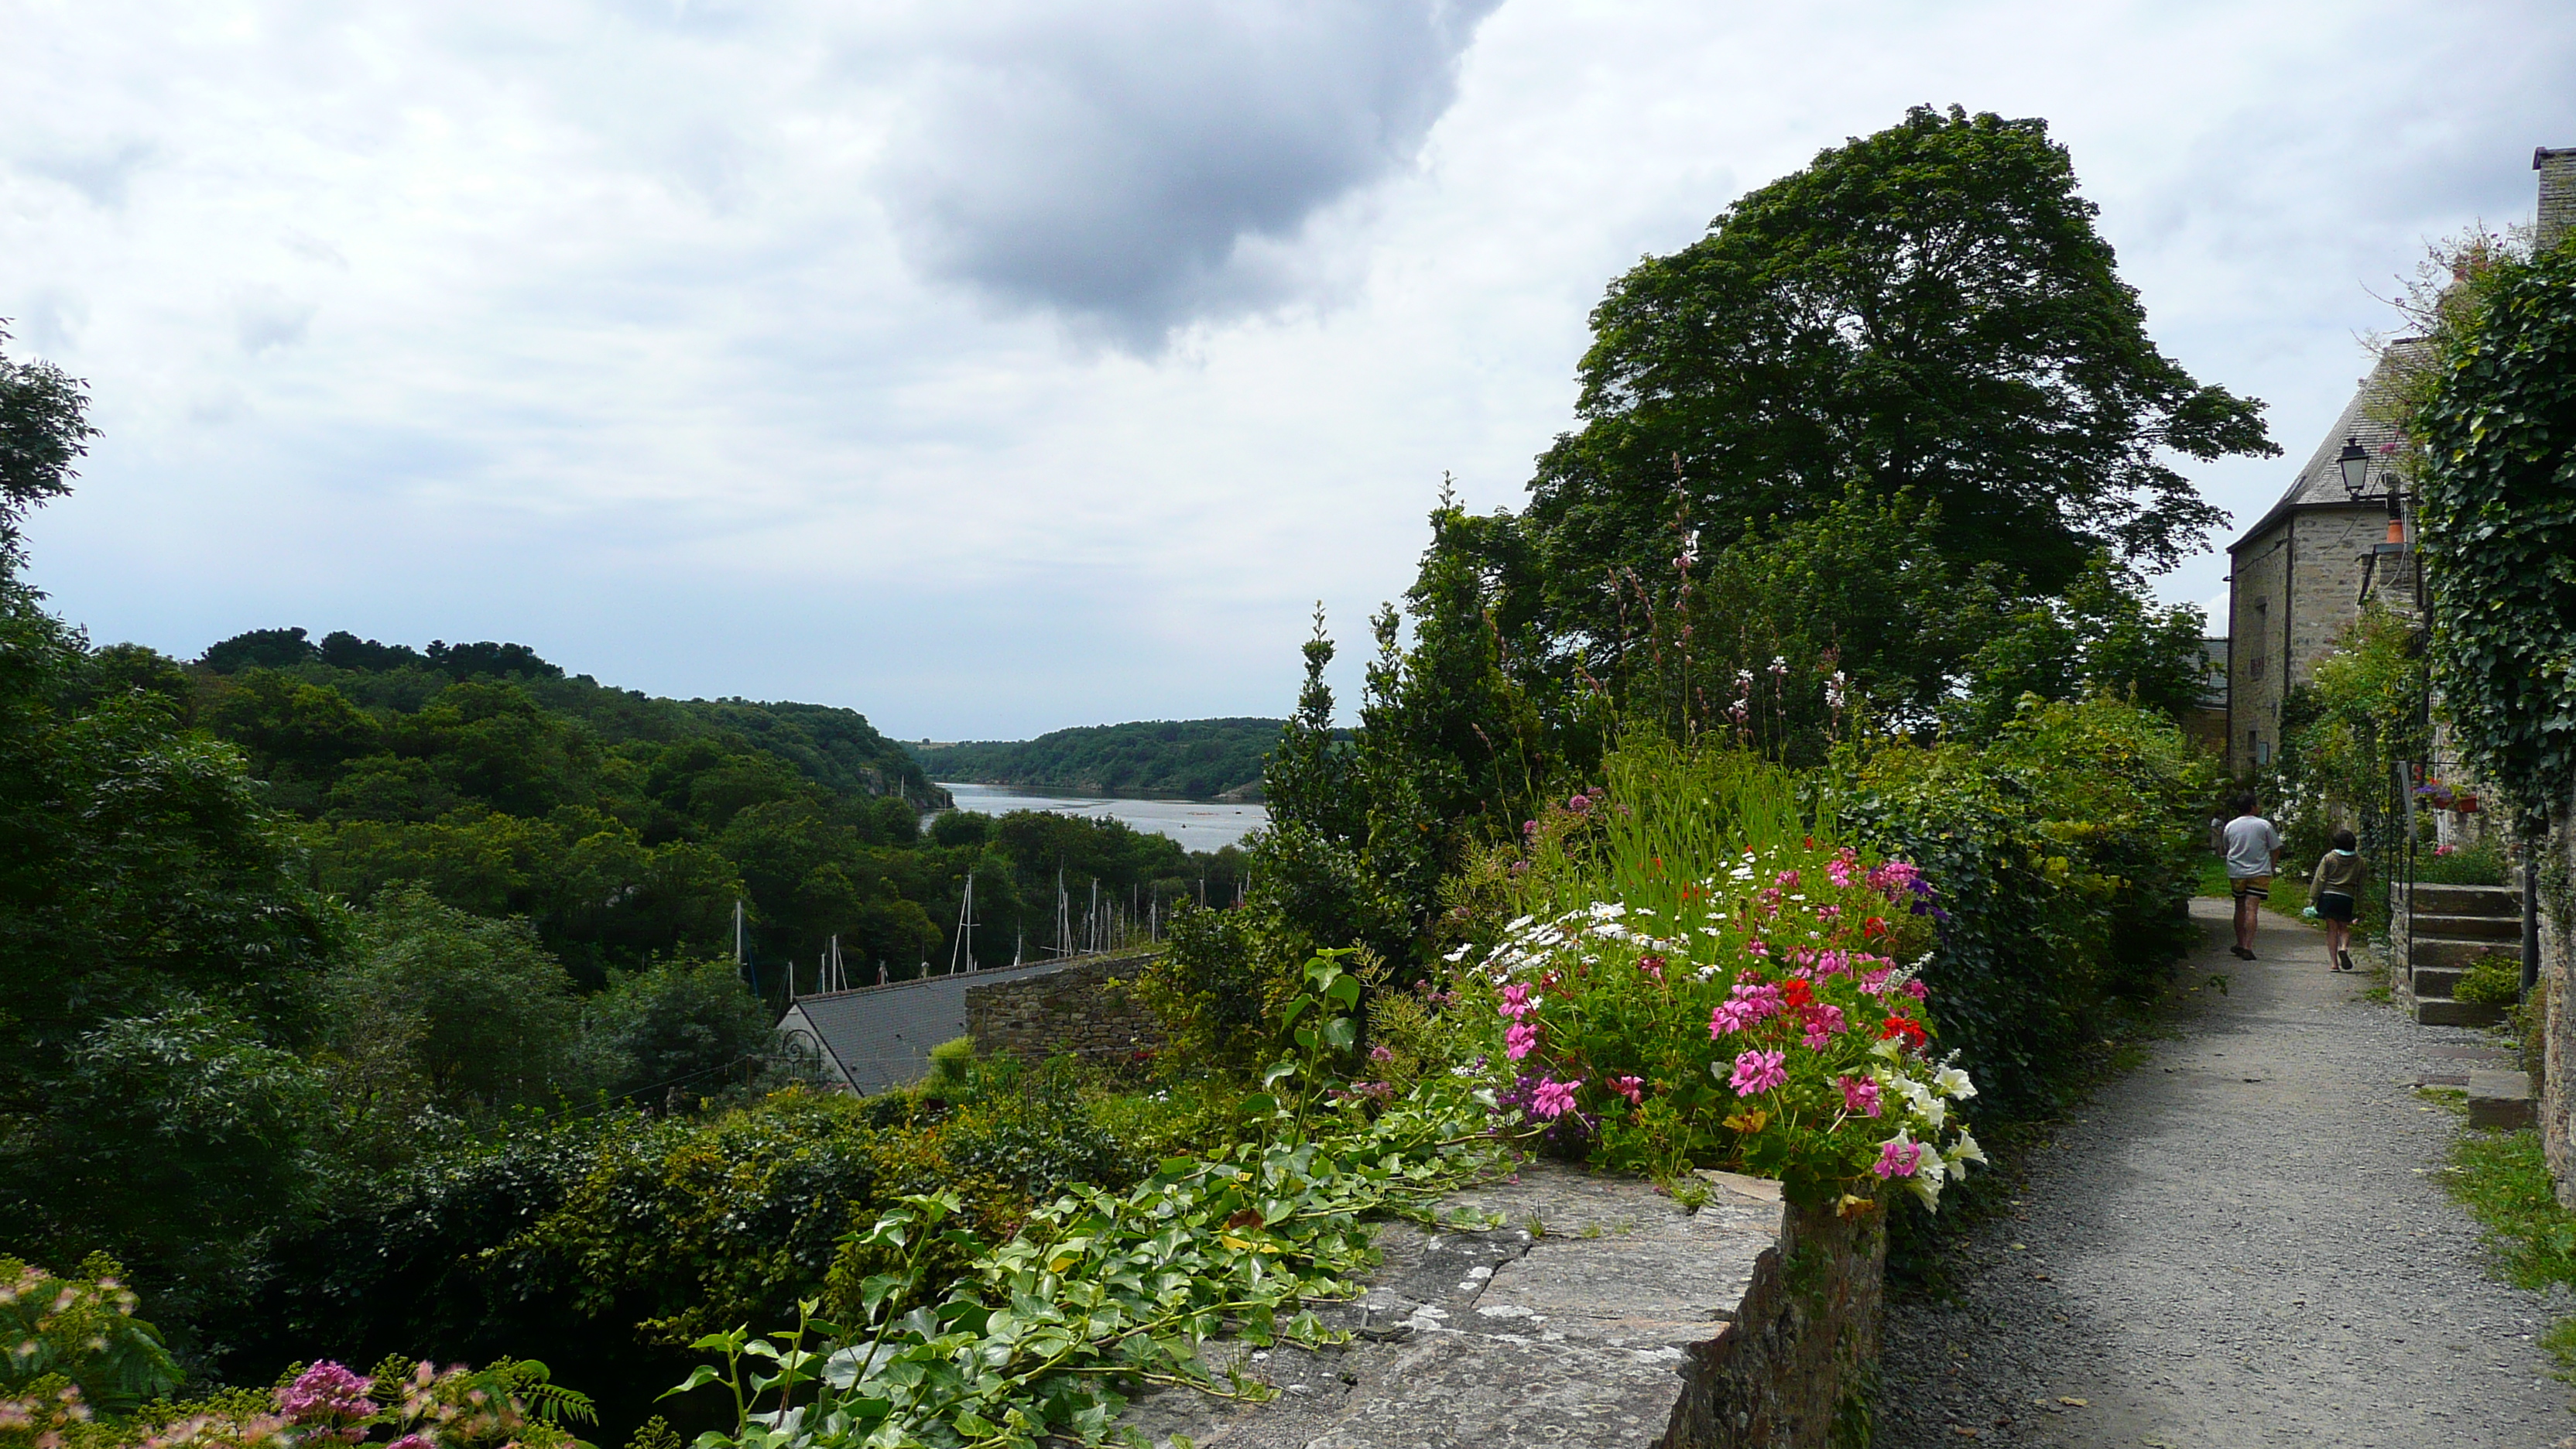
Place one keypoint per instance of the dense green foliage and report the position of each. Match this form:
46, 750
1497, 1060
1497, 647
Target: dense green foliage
2497, 474
1926, 311
1199, 758
2064, 851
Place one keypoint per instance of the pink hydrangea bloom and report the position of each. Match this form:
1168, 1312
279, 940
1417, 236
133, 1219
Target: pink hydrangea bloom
1553, 1098
1518, 1041
1860, 1095
1898, 1158
1758, 1071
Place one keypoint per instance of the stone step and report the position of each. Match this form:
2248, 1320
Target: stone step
2467, 928
2500, 1099
2455, 955
2435, 980
2458, 900
2443, 1011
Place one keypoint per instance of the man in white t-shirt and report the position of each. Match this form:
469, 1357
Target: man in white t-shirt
2253, 851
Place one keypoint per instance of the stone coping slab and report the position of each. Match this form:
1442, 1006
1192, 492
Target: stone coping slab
1598, 1312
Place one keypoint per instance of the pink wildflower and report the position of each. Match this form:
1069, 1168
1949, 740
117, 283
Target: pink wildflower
1822, 1021
1757, 947
1553, 1098
326, 1390
1916, 989
1788, 880
1839, 869
1518, 1042
1832, 963
1517, 1001
1875, 983
1758, 1071
1898, 1158
1860, 1095
1632, 1088
1381, 1053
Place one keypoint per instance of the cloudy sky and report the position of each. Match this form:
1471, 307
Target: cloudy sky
993, 368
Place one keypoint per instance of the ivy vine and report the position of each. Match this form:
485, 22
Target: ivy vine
2497, 433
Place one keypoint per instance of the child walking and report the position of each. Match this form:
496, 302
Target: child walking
2332, 889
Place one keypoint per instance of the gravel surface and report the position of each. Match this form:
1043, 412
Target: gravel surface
2241, 1243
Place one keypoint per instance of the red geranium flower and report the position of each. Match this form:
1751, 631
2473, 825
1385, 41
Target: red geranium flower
1874, 926
1906, 1027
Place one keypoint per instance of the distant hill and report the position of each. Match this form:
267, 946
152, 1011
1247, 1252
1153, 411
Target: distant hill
1202, 758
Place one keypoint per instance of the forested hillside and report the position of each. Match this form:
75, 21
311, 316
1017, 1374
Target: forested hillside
623, 826
1197, 757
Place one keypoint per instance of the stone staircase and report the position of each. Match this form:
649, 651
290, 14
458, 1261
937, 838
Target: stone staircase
2454, 925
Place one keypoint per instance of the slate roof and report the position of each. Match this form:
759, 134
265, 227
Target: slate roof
878, 1038
2320, 483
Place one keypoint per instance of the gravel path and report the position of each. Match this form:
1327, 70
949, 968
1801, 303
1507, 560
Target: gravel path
2239, 1244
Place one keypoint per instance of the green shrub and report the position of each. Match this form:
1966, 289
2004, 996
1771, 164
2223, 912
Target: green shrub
952, 1068
2492, 981
2065, 853
2483, 864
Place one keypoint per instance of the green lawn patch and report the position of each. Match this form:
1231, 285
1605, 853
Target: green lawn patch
2502, 1178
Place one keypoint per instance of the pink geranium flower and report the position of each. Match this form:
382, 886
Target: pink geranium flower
1553, 1098
1632, 1088
1518, 1041
1860, 1096
1758, 1071
1898, 1158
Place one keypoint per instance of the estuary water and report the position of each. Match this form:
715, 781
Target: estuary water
1196, 824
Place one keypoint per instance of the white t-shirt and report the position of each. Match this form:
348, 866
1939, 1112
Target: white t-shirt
2250, 843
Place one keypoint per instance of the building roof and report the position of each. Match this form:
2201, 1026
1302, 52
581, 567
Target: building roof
878, 1038
2320, 483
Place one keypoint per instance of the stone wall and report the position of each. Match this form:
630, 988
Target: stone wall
2557, 213
1595, 1313
2296, 588
1085, 1009
2557, 1065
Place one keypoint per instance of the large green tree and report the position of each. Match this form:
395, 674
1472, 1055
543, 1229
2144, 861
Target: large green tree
1929, 311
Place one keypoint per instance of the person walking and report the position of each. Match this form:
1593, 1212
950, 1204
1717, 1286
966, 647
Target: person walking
2253, 852
2332, 891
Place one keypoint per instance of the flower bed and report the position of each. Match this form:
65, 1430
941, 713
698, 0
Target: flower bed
1768, 1017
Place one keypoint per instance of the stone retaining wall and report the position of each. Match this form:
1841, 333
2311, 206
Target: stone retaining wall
1599, 1313
1083, 1009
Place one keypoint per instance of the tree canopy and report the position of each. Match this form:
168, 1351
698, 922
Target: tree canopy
1927, 311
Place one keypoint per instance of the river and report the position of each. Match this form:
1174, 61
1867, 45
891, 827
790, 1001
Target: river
1196, 824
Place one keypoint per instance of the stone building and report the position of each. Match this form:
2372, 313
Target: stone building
2300, 574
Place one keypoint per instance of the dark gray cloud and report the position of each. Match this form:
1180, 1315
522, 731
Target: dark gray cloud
1111, 164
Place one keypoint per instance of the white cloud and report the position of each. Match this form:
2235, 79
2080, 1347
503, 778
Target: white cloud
756, 349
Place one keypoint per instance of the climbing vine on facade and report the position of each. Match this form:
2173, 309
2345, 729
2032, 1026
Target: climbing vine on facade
2497, 433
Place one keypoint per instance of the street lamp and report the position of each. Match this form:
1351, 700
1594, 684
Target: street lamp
2354, 462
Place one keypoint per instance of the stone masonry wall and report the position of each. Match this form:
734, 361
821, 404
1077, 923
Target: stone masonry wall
2557, 893
1598, 1313
2557, 213
2287, 607
1084, 1009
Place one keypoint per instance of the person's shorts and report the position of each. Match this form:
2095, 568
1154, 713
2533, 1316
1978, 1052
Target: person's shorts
2257, 886
2334, 906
